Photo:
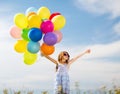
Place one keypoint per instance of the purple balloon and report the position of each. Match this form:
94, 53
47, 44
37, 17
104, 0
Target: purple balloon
50, 38
47, 26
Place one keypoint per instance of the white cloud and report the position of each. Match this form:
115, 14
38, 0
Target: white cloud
105, 50
97, 73
111, 7
116, 28
29, 79
98, 51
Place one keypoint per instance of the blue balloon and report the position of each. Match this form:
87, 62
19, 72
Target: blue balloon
33, 47
50, 38
31, 9
35, 34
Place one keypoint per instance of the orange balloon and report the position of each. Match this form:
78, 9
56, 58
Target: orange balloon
30, 14
46, 49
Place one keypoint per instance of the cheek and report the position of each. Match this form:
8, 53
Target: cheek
65, 57
62, 57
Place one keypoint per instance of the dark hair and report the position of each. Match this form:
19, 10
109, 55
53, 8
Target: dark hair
60, 57
56, 67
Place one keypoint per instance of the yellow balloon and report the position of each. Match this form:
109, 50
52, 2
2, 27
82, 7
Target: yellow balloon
21, 20
44, 13
34, 21
20, 46
59, 22
29, 58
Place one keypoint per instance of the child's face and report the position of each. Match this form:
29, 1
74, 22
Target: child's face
65, 56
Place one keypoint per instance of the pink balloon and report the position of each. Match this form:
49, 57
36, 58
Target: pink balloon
59, 35
47, 26
15, 32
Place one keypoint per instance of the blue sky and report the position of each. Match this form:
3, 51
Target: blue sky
90, 24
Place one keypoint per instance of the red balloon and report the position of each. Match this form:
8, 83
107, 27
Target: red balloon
53, 15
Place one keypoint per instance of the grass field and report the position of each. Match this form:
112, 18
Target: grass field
102, 90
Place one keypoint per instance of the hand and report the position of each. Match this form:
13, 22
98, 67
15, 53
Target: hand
88, 51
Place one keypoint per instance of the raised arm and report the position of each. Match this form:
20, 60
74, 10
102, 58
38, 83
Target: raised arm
78, 56
50, 58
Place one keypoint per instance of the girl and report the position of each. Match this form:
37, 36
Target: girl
62, 65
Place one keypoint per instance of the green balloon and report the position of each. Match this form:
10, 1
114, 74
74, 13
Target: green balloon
29, 58
25, 34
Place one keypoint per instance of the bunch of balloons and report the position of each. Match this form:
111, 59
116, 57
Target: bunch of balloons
37, 30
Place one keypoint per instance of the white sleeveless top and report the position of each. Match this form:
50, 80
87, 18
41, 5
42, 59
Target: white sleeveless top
62, 68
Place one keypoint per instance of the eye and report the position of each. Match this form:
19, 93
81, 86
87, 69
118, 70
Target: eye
65, 54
